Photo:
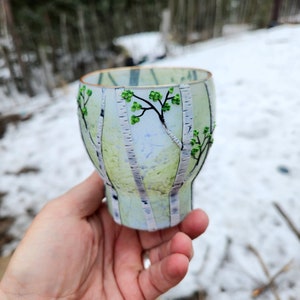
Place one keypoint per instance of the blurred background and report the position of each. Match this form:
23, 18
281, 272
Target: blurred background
46, 44
252, 48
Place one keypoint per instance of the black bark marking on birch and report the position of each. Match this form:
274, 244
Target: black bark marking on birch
185, 153
207, 141
135, 169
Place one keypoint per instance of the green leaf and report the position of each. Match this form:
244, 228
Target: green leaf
194, 151
195, 133
127, 95
171, 90
206, 130
89, 92
136, 106
166, 107
134, 119
193, 142
176, 99
84, 111
155, 96
151, 95
158, 96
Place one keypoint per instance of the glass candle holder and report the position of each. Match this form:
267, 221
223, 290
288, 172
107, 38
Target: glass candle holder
148, 131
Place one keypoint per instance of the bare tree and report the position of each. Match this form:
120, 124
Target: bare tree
17, 46
275, 13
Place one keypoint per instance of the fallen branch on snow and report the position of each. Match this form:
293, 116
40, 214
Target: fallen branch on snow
271, 279
288, 220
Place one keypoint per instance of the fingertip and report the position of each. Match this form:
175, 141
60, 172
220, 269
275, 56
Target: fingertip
195, 223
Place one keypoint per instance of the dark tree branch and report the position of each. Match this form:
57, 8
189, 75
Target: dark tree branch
288, 220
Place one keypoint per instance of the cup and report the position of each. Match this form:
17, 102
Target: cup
148, 131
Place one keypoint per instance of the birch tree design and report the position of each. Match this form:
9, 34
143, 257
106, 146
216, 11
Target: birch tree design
200, 146
83, 98
144, 105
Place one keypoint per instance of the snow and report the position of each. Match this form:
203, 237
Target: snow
254, 162
143, 46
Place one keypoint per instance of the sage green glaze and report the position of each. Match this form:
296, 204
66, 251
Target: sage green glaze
151, 150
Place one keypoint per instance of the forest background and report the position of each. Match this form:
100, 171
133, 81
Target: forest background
46, 44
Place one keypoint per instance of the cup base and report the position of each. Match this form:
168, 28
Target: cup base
158, 212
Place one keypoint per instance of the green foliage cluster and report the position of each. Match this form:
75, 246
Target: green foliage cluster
83, 98
154, 97
127, 95
76, 36
198, 146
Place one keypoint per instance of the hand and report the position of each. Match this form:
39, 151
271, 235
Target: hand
74, 250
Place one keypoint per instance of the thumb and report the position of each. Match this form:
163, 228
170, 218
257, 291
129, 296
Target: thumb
85, 198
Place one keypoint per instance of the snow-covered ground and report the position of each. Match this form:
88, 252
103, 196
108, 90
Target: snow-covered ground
254, 162
141, 50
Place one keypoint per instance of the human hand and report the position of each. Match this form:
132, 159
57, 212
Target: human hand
74, 250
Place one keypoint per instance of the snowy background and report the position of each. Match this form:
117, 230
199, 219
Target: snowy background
254, 162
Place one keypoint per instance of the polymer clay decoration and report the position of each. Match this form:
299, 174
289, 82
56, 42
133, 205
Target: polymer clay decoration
148, 132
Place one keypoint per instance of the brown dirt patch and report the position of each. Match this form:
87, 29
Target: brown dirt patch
5, 223
3, 264
5, 237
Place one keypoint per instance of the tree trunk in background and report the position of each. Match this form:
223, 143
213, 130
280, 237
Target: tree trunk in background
82, 32
165, 29
190, 24
17, 44
4, 51
182, 21
52, 43
3, 22
275, 13
66, 72
212, 17
172, 15
94, 27
64, 33
218, 27
48, 75
9, 65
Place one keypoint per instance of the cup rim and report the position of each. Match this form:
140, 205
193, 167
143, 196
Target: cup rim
82, 78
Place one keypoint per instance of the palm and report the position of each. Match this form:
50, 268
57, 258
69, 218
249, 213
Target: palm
74, 250
120, 258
